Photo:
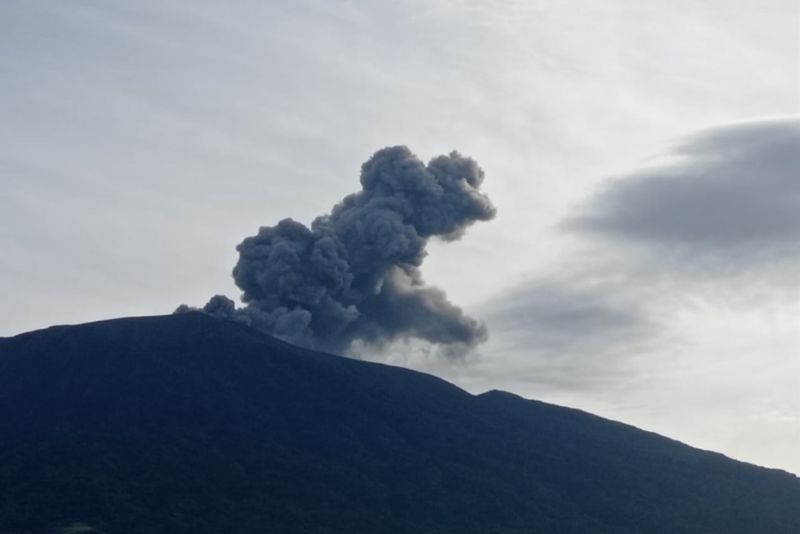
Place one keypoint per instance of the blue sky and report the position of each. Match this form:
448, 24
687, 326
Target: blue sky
143, 141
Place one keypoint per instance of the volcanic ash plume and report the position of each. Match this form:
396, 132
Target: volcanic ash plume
354, 274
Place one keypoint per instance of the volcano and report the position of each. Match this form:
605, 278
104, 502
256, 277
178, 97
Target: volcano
192, 424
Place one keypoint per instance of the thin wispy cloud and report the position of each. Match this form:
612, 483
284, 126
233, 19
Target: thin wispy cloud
572, 330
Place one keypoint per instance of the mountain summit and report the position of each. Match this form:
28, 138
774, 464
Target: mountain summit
191, 424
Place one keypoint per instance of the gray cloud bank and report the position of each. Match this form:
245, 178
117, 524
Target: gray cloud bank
727, 198
354, 274
716, 220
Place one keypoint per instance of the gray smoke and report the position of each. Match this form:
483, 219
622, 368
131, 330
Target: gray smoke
354, 274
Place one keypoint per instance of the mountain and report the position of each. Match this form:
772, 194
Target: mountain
190, 424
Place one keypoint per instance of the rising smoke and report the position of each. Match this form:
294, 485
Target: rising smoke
354, 274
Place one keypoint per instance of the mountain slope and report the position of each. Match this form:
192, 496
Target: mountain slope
186, 423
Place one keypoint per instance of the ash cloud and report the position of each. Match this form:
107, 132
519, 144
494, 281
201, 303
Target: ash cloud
354, 274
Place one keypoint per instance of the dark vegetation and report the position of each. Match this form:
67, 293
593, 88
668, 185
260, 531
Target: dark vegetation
187, 423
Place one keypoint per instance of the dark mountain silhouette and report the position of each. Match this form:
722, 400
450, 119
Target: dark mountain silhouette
187, 423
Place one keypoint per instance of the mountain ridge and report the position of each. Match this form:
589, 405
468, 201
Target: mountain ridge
188, 423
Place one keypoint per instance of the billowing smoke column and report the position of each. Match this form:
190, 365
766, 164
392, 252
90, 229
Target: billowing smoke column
354, 275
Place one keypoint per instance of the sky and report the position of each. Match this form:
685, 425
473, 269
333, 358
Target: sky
641, 156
